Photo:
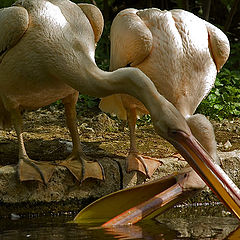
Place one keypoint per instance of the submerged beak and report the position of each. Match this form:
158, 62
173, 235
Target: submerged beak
210, 172
133, 204
145, 201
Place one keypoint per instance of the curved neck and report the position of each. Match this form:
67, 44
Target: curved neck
130, 81
91, 80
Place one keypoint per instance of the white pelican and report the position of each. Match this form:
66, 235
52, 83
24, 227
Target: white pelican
28, 82
48, 45
181, 54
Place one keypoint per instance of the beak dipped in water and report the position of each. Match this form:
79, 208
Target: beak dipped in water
210, 172
138, 202
145, 201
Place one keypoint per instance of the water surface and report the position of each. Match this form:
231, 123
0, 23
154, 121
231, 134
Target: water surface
180, 223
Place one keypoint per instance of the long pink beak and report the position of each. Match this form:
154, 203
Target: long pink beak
210, 172
145, 201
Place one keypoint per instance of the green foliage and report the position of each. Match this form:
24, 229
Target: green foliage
224, 99
145, 119
6, 3
86, 103
228, 4
103, 49
233, 62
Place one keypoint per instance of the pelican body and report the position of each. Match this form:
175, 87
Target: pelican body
34, 37
47, 50
181, 54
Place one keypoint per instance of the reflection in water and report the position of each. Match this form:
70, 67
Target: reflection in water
193, 223
150, 230
197, 228
126, 232
57, 228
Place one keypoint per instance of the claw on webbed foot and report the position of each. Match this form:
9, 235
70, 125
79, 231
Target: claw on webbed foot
30, 170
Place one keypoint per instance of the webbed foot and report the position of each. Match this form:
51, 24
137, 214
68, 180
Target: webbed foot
35, 170
83, 169
146, 165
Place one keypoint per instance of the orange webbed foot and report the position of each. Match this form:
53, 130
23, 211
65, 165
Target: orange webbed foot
144, 164
82, 169
31, 170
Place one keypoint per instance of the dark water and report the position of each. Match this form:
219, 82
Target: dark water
58, 228
178, 224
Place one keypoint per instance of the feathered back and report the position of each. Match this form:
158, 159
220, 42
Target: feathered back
178, 51
95, 18
130, 39
131, 43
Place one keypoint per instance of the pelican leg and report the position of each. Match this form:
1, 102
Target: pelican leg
136, 162
77, 162
29, 169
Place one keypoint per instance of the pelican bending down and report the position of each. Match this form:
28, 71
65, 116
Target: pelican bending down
51, 45
181, 54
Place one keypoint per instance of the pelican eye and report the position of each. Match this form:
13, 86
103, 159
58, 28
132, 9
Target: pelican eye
172, 131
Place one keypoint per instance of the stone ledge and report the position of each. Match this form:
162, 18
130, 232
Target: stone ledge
65, 193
